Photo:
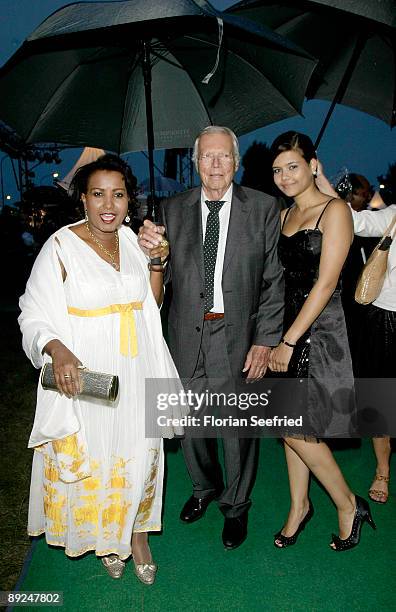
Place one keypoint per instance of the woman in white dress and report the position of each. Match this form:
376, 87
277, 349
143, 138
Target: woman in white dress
92, 300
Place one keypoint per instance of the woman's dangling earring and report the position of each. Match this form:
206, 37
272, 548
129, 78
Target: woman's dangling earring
127, 218
85, 214
314, 173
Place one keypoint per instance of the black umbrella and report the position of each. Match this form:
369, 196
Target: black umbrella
127, 76
354, 41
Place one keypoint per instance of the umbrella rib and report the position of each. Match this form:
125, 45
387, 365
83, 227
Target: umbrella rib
67, 76
166, 59
177, 65
135, 65
251, 65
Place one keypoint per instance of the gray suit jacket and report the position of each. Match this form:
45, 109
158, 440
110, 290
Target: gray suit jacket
252, 284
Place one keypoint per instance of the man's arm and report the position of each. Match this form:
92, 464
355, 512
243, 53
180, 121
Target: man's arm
269, 322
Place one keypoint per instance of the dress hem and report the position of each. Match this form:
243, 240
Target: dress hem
102, 553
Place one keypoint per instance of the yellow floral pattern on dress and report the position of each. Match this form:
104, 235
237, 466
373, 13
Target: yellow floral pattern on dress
72, 458
146, 503
115, 507
67, 446
115, 514
101, 505
99, 510
118, 479
88, 512
54, 503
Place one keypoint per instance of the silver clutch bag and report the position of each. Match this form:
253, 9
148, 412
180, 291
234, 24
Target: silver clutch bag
94, 384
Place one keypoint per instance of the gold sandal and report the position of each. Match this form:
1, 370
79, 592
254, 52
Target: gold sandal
378, 496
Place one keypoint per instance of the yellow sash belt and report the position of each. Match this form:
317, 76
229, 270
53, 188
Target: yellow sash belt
128, 338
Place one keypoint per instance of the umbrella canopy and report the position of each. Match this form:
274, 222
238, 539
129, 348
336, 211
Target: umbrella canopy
354, 41
139, 74
78, 79
163, 184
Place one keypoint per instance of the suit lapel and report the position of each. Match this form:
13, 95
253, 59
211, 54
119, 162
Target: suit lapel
192, 223
240, 211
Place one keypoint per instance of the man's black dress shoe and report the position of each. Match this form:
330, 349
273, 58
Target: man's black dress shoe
235, 531
195, 508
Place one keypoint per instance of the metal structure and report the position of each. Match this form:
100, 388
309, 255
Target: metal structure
22, 156
179, 166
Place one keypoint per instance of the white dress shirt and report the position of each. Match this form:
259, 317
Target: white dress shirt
224, 218
372, 224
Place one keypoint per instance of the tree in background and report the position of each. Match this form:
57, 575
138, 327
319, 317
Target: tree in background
257, 169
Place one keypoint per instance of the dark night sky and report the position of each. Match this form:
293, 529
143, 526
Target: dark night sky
353, 139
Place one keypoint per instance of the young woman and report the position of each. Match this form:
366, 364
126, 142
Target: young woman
316, 233
91, 299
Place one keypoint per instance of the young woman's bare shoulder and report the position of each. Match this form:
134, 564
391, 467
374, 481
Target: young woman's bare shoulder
336, 210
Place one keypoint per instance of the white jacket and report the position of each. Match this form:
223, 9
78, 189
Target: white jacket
373, 223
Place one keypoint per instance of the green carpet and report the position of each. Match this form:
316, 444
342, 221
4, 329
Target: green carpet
196, 573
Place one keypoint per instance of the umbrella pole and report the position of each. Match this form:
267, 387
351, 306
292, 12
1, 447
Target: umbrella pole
361, 41
150, 126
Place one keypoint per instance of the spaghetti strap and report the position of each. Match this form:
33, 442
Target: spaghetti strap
321, 214
285, 217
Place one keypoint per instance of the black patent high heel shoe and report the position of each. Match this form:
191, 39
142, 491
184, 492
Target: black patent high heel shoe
362, 515
289, 541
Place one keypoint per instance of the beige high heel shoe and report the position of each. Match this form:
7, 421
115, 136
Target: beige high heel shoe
114, 566
145, 572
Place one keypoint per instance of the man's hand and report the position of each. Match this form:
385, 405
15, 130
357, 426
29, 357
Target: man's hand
150, 236
256, 362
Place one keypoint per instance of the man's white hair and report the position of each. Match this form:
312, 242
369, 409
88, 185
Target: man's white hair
217, 129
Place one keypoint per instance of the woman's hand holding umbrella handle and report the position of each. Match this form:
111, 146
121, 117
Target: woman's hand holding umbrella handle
65, 366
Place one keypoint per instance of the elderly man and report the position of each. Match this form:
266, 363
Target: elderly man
226, 310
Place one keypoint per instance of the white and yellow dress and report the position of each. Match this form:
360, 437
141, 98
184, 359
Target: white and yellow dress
96, 478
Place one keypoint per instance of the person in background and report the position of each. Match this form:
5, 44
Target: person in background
316, 233
361, 192
377, 354
357, 191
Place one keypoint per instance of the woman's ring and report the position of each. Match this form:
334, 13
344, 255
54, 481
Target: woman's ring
67, 375
164, 243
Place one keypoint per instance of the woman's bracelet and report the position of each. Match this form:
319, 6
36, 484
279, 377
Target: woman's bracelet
156, 267
288, 343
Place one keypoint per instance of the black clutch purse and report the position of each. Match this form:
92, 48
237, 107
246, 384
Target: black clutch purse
94, 384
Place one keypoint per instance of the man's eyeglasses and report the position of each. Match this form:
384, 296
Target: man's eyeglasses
223, 158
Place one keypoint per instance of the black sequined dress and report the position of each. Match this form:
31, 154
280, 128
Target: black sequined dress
322, 354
